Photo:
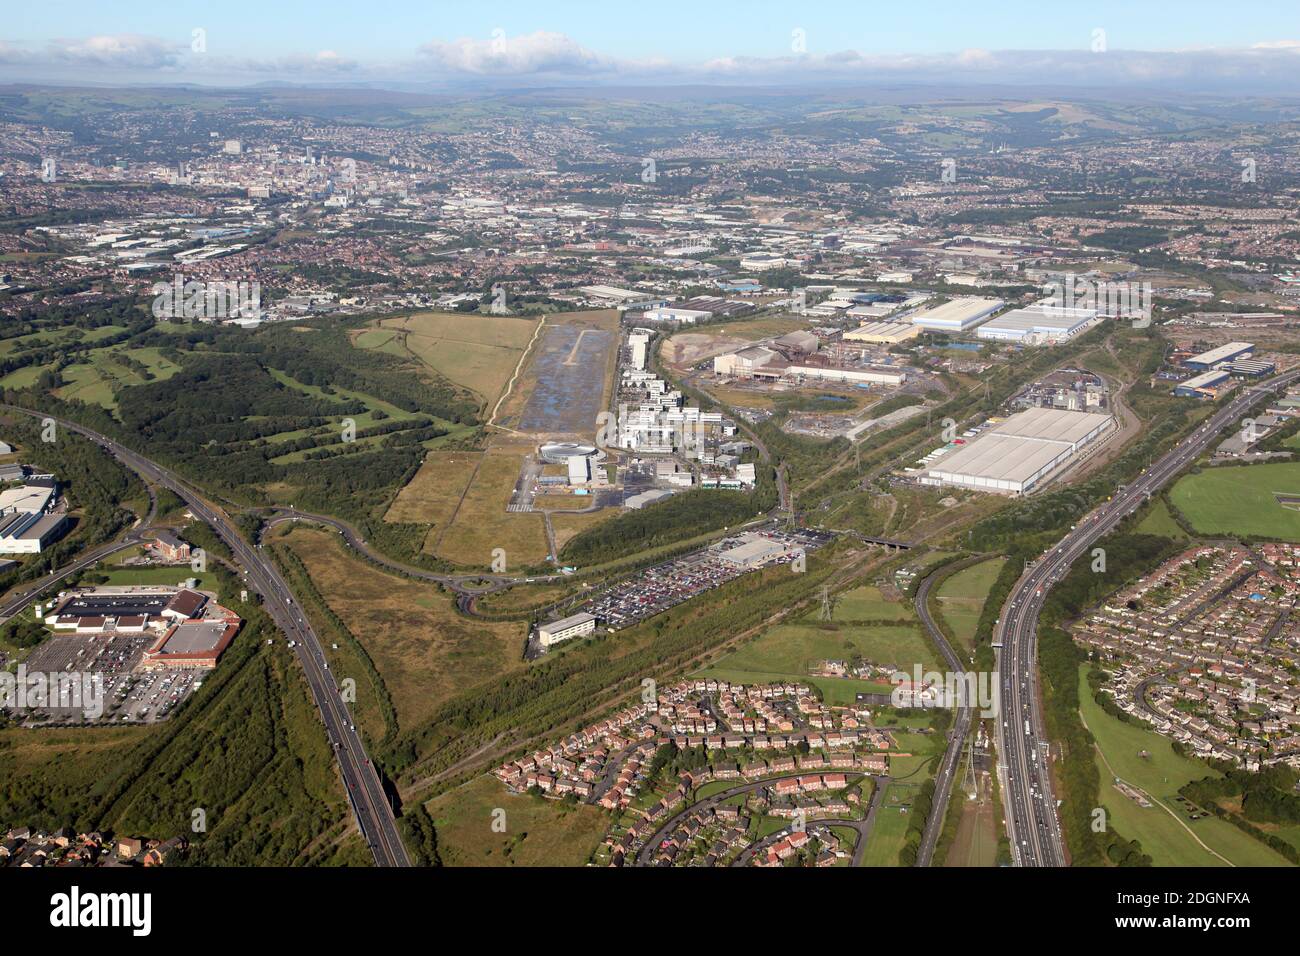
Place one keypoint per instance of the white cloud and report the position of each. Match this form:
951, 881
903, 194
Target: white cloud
547, 57
116, 50
530, 53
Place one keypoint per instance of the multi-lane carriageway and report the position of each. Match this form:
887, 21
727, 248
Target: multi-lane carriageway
1032, 823
365, 790
1033, 826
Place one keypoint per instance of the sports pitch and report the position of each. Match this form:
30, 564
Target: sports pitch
1241, 500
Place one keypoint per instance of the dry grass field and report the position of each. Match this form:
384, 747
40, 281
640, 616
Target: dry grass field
481, 523
432, 495
567, 525
479, 352
424, 651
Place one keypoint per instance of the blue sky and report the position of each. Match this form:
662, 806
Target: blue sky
641, 39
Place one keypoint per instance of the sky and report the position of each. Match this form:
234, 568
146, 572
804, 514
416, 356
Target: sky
1193, 43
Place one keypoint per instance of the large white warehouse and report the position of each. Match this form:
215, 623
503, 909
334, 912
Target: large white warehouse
1037, 323
956, 315
1017, 454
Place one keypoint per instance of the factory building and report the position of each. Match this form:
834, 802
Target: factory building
1249, 368
27, 532
882, 333
668, 313
637, 344
746, 362
1215, 357
1037, 323
957, 315
852, 376
648, 497
611, 294
565, 629
579, 469
1207, 385
805, 342
1017, 455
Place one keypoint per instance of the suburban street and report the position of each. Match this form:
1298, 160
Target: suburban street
1033, 826
365, 791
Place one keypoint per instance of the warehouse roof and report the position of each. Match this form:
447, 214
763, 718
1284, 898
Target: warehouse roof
1048, 424
1041, 318
1204, 380
1019, 447
1222, 354
1001, 458
884, 330
754, 551
960, 310
564, 623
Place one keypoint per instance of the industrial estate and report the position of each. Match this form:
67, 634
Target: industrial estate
539, 468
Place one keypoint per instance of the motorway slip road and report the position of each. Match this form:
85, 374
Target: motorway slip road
370, 804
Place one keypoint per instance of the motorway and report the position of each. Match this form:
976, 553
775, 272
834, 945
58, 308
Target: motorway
133, 536
365, 791
1033, 826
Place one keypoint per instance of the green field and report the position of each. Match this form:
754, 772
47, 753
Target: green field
537, 832
166, 576
960, 599
478, 352
889, 832
864, 623
1239, 500
1159, 521
868, 604
1163, 829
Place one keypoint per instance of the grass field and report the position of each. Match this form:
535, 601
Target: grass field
482, 524
537, 832
432, 495
479, 352
1159, 521
1163, 829
1239, 500
424, 651
866, 603
787, 651
890, 830
168, 576
960, 599
566, 526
